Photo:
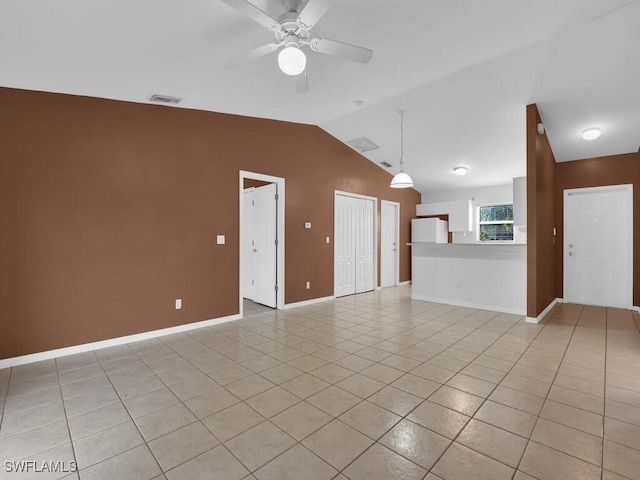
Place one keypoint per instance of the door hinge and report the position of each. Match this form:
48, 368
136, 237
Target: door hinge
252, 282
276, 241
276, 287
277, 197
253, 203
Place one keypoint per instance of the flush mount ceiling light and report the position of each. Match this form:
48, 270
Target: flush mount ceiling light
460, 171
402, 179
591, 133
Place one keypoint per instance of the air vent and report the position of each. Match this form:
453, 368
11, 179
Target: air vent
362, 144
165, 99
386, 164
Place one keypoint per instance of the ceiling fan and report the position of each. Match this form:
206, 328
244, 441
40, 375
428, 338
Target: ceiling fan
292, 31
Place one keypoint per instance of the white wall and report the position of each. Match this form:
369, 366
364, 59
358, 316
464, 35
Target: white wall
492, 277
480, 196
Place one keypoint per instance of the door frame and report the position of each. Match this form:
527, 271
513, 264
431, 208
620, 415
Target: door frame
396, 273
565, 242
280, 249
376, 276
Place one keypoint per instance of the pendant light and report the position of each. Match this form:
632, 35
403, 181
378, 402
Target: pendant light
402, 179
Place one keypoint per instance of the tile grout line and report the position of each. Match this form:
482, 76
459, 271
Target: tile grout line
5, 396
66, 417
604, 399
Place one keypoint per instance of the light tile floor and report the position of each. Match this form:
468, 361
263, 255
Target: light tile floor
374, 386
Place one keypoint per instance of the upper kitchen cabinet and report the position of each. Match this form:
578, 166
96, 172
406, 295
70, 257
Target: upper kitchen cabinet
461, 216
520, 202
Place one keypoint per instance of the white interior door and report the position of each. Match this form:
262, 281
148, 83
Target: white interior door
354, 245
389, 239
247, 268
598, 246
262, 244
364, 244
344, 247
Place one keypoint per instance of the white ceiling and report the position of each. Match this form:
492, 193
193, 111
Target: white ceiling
462, 69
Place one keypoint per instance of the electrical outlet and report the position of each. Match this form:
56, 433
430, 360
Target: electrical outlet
178, 303
328, 240
308, 285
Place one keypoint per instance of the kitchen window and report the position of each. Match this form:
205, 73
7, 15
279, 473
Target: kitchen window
495, 223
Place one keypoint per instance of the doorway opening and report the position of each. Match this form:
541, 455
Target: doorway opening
355, 243
261, 241
598, 246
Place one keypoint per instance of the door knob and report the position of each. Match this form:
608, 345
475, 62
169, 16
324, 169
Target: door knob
571, 254
255, 249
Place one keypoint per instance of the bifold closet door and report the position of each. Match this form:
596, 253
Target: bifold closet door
354, 245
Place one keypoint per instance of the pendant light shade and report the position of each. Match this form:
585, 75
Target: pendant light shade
402, 179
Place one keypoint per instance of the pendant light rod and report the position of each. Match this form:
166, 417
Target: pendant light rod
401, 112
402, 179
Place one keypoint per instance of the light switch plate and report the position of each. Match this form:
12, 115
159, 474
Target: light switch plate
307, 225
178, 303
220, 240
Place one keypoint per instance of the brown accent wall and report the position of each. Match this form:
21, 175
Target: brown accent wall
599, 172
542, 246
109, 211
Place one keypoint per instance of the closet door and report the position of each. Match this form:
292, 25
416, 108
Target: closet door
353, 245
344, 246
364, 245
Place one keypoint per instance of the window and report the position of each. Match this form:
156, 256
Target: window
495, 223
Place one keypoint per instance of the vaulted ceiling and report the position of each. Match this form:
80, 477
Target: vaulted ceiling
463, 70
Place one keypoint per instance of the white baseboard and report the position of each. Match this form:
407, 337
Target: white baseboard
446, 301
408, 282
545, 311
308, 302
112, 342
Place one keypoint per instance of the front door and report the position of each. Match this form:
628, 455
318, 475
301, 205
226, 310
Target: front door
598, 246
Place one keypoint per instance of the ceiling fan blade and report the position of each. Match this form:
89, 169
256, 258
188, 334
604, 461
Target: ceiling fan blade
312, 12
255, 13
302, 83
252, 55
341, 49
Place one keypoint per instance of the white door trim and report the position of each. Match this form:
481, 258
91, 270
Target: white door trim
280, 234
376, 279
628, 188
397, 237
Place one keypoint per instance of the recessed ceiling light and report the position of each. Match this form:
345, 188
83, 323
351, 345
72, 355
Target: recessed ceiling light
460, 171
591, 133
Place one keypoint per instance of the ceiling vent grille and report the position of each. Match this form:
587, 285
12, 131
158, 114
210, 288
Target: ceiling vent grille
362, 144
386, 164
165, 99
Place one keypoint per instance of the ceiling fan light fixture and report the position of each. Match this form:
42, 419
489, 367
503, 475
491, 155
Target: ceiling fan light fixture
401, 180
460, 171
591, 133
292, 60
